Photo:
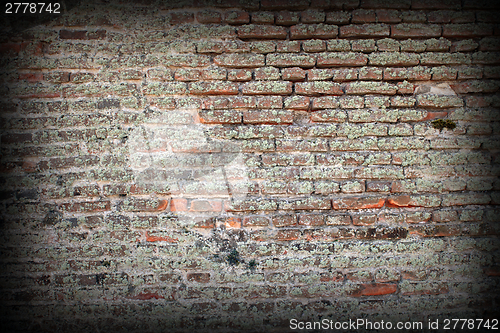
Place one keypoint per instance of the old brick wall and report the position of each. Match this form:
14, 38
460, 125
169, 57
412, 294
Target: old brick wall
230, 165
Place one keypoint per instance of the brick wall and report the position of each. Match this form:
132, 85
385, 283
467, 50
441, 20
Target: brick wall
231, 165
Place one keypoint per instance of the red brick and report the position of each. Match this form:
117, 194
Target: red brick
326, 102
305, 31
290, 60
318, 88
293, 74
179, 17
415, 73
393, 59
237, 17
338, 17
363, 16
467, 30
262, 18
388, 16
311, 219
201, 205
358, 203
407, 30
270, 102
375, 289
363, 45
220, 116
236, 60
256, 221
262, 32
213, 88
297, 103
365, 87
364, 220
287, 18
267, 117
333, 59
370, 73
284, 220
267, 88
178, 205
312, 16
365, 30
198, 277
441, 102
239, 75
267, 74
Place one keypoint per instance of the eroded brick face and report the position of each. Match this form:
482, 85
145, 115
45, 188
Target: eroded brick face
227, 166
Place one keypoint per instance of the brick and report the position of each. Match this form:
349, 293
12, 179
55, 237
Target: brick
437, 45
293, 74
311, 220
297, 103
236, 60
239, 75
321, 31
267, 73
314, 45
393, 59
290, 60
444, 59
256, 221
305, 204
388, 16
328, 116
352, 102
267, 88
220, 116
407, 30
261, 32
318, 88
287, 18
262, 18
435, 101
333, 59
179, 17
375, 289
364, 30
267, 117
388, 44
208, 16
312, 16
414, 73
364, 45
338, 45
363, 16
358, 203
287, 46
470, 30
410, 45
338, 17
213, 88
362, 88
237, 17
